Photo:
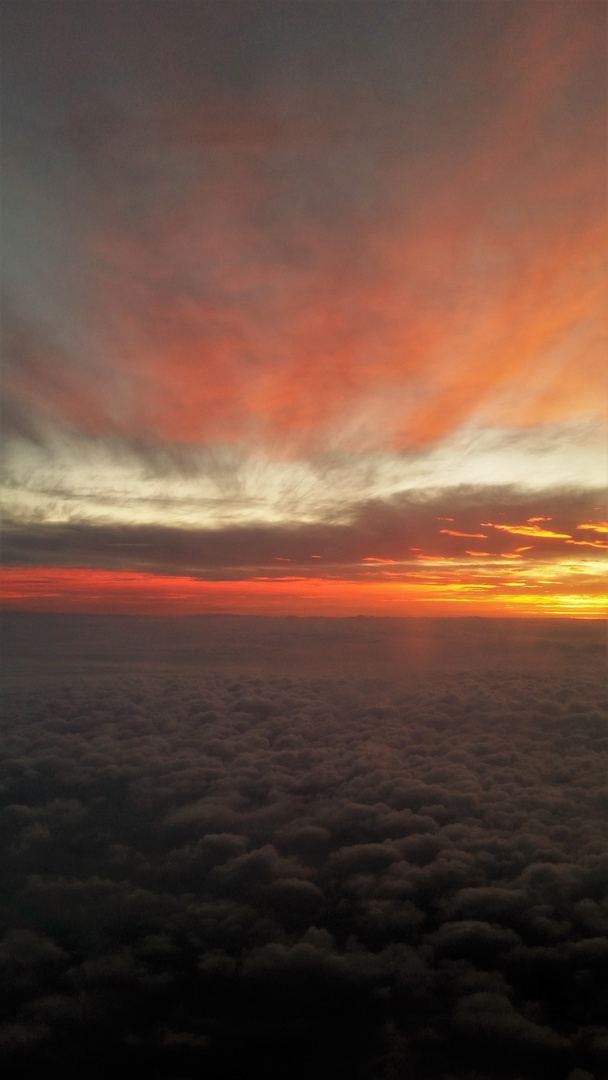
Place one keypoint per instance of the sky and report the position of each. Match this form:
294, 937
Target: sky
304, 307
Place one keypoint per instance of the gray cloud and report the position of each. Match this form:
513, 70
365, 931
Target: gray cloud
382, 529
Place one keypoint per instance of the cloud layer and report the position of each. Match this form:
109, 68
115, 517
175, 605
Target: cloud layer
309, 875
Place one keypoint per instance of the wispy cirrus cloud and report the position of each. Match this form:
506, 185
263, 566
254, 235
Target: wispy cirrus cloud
282, 272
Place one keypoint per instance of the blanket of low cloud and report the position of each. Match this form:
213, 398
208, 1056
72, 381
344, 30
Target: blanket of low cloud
43, 650
220, 874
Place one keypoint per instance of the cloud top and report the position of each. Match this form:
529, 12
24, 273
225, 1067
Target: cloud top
219, 872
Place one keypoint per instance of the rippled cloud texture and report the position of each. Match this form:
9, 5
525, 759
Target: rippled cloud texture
219, 875
268, 262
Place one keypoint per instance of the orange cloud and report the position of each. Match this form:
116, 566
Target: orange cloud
372, 559
589, 543
476, 536
602, 527
289, 577
529, 530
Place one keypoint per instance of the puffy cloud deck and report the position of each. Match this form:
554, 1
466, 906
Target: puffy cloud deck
227, 876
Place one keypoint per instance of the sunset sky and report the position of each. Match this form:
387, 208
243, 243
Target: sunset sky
305, 307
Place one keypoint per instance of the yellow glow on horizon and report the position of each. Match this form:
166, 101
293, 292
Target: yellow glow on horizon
133, 592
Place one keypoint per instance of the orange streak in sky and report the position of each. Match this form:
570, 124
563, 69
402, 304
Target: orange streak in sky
53, 589
372, 559
109, 592
528, 530
473, 536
